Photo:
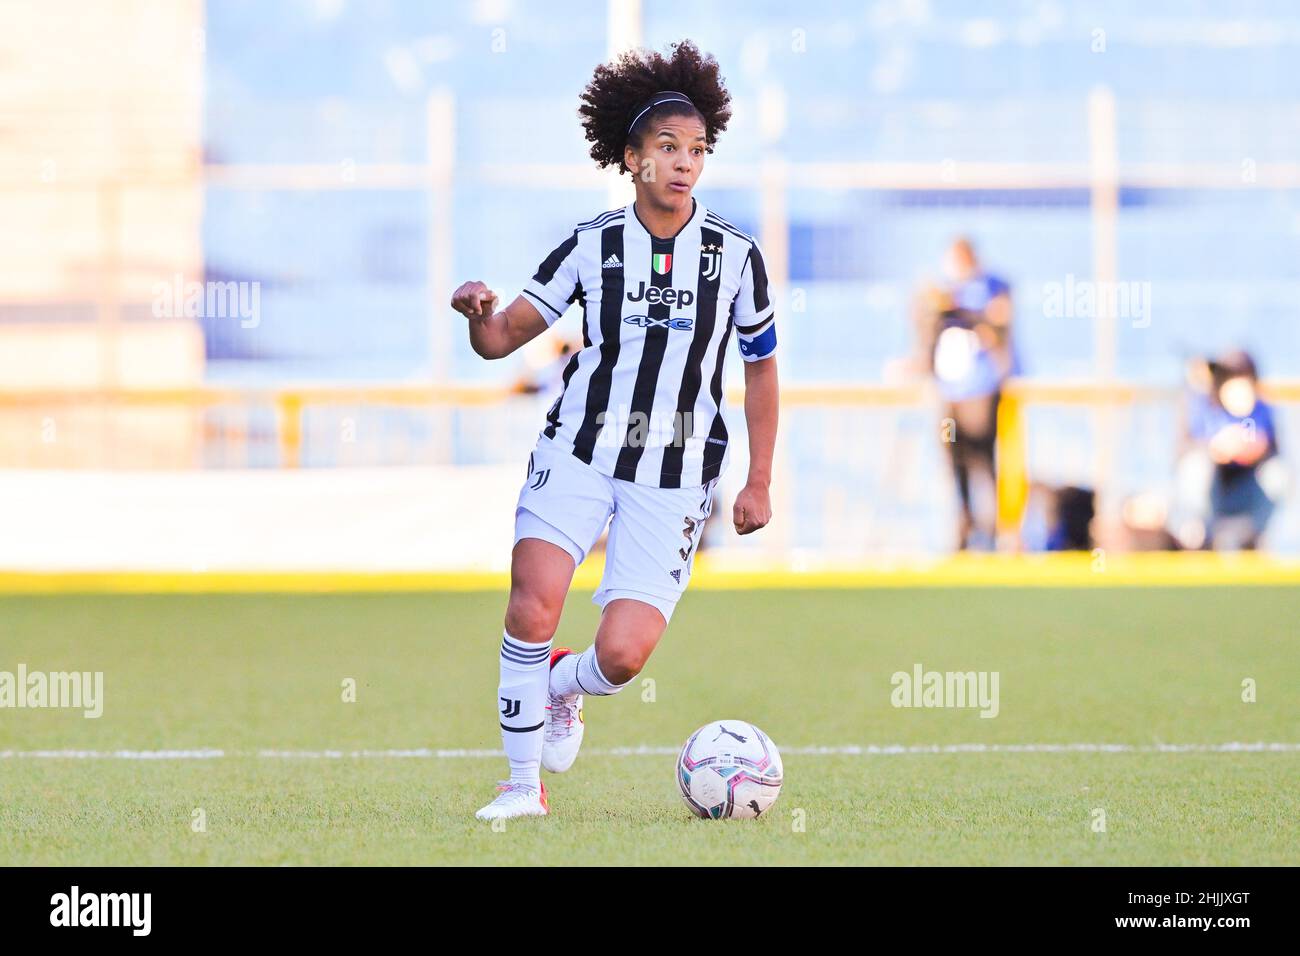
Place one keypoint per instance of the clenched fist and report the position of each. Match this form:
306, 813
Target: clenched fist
475, 300
752, 510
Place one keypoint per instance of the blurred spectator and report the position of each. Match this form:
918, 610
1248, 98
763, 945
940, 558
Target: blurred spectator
1230, 477
1071, 520
964, 329
1058, 518
545, 359
1144, 525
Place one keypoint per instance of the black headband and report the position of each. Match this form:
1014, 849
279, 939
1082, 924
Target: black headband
663, 96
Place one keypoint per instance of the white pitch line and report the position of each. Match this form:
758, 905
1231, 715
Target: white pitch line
112, 754
853, 750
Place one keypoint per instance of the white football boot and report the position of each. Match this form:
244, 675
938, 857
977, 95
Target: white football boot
564, 726
516, 800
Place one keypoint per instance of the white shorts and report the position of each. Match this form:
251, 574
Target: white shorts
652, 538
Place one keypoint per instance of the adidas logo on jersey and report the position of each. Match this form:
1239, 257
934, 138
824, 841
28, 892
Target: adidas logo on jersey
612, 262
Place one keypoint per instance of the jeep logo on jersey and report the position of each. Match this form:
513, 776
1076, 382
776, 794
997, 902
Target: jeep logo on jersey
650, 322
654, 296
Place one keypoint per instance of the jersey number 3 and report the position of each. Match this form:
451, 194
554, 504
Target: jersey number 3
688, 532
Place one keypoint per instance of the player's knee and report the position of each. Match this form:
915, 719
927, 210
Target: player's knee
620, 664
531, 619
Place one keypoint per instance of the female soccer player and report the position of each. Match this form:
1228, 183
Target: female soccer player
637, 432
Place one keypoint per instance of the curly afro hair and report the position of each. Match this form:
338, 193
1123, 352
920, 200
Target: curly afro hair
619, 89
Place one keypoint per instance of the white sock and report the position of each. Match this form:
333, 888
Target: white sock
580, 674
521, 706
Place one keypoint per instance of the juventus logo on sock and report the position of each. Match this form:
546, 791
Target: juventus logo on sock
525, 674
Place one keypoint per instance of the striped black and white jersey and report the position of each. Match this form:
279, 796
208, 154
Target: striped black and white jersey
642, 399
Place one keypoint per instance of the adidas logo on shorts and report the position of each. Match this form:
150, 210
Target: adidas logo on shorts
612, 262
677, 575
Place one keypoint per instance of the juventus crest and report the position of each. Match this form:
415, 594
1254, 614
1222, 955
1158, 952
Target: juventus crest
710, 262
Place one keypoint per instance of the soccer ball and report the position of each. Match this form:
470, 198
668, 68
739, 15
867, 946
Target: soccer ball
729, 769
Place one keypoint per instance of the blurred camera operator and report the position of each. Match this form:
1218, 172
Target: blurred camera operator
1230, 477
964, 329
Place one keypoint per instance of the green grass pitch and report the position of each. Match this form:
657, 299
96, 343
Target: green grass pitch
245, 674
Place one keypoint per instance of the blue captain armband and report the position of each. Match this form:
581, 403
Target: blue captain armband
758, 344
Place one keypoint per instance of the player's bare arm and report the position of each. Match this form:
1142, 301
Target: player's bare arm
753, 507
494, 334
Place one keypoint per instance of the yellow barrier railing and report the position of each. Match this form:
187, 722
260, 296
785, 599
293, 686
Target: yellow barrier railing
827, 393
290, 402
